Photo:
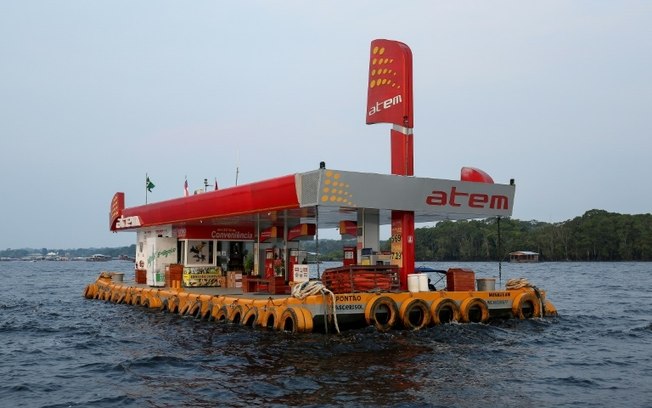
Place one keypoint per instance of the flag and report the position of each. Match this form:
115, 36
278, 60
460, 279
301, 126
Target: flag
185, 188
149, 185
215, 183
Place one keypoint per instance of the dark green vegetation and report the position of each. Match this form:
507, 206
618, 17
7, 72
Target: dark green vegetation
595, 236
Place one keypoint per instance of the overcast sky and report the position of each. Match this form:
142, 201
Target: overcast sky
94, 94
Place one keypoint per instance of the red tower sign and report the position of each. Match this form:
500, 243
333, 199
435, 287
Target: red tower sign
389, 96
389, 100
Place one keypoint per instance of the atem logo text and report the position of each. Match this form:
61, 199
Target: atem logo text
386, 104
456, 198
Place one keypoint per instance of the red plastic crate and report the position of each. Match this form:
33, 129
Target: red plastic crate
460, 279
141, 276
173, 273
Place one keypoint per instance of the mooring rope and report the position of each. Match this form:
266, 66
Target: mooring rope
524, 283
313, 287
517, 284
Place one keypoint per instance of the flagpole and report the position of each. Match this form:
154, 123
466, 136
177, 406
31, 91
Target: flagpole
146, 178
237, 165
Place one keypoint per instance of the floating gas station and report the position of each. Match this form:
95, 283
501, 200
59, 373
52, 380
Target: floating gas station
235, 254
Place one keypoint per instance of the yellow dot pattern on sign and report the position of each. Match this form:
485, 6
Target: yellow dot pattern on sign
336, 190
380, 74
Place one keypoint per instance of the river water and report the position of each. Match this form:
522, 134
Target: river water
58, 349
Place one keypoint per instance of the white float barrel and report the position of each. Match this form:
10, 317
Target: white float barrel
423, 282
413, 282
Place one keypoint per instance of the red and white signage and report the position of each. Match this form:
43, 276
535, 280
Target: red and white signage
239, 233
389, 95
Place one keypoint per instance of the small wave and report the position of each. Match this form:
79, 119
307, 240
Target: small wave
99, 367
121, 401
16, 388
576, 381
158, 361
643, 329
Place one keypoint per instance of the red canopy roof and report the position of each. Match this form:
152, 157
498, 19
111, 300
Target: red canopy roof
269, 195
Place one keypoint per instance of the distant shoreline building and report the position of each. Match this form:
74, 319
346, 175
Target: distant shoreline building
523, 257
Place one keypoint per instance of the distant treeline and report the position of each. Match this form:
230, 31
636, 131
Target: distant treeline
70, 253
595, 236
